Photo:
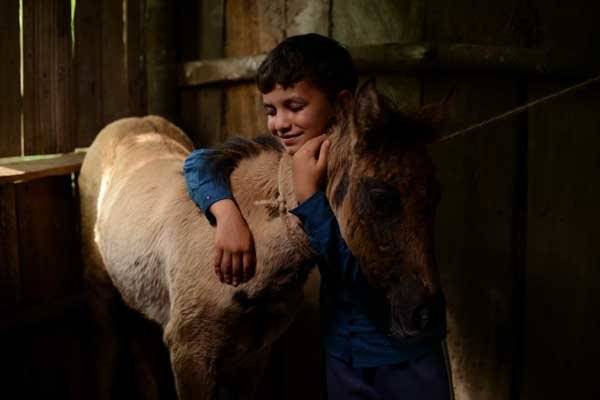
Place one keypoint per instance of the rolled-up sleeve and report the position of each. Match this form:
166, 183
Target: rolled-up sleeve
203, 186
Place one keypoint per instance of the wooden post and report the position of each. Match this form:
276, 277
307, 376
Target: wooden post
48, 97
161, 58
10, 89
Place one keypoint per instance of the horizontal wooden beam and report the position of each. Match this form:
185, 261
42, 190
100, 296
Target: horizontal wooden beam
410, 58
18, 169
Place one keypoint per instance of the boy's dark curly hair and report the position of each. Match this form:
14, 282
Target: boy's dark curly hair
318, 59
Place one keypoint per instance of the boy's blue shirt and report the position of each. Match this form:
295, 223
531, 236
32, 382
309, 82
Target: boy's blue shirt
349, 332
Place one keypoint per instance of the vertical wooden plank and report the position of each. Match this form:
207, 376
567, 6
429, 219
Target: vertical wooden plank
49, 251
50, 270
9, 248
10, 89
563, 290
159, 22
47, 77
252, 27
115, 89
562, 254
202, 37
136, 72
481, 218
109, 64
11, 362
88, 71
473, 236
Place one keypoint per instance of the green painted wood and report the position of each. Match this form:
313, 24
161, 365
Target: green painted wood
47, 103
10, 89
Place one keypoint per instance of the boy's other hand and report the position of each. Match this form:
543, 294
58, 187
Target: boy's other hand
310, 166
234, 253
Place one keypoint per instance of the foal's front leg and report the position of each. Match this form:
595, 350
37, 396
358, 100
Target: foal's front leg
192, 360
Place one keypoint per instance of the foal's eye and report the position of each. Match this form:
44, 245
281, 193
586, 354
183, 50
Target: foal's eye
379, 198
384, 201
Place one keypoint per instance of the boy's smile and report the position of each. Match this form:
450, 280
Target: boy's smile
297, 114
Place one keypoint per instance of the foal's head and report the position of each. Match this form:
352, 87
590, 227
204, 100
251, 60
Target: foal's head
385, 194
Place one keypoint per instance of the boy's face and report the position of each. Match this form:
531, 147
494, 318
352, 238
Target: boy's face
297, 114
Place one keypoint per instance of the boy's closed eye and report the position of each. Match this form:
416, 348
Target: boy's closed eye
295, 105
269, 110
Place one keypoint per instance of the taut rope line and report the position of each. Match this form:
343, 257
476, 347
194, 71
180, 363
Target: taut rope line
520, 109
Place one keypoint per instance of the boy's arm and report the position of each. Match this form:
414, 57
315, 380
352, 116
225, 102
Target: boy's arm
324, 235
234, 257
318, 220
204, 187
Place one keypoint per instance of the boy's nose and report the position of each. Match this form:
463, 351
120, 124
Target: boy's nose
282, 124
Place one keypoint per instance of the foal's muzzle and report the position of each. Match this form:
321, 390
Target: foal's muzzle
412, 308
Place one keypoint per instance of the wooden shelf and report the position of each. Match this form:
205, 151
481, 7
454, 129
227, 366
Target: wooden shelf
25, 168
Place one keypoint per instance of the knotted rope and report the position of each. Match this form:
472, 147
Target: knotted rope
292, 224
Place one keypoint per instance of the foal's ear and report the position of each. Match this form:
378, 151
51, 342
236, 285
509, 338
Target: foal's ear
367, 108
433, 119
436, 116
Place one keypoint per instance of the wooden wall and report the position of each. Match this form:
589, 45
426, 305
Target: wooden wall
516, 226
77, 75
44, 334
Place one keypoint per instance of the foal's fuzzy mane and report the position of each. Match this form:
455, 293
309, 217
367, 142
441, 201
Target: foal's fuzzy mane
226, 156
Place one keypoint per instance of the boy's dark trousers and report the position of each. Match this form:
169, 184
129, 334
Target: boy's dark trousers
424, 378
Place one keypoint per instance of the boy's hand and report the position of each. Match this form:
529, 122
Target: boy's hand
234, 257
310, 166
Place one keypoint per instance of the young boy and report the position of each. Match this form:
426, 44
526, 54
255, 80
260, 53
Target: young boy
303, 80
